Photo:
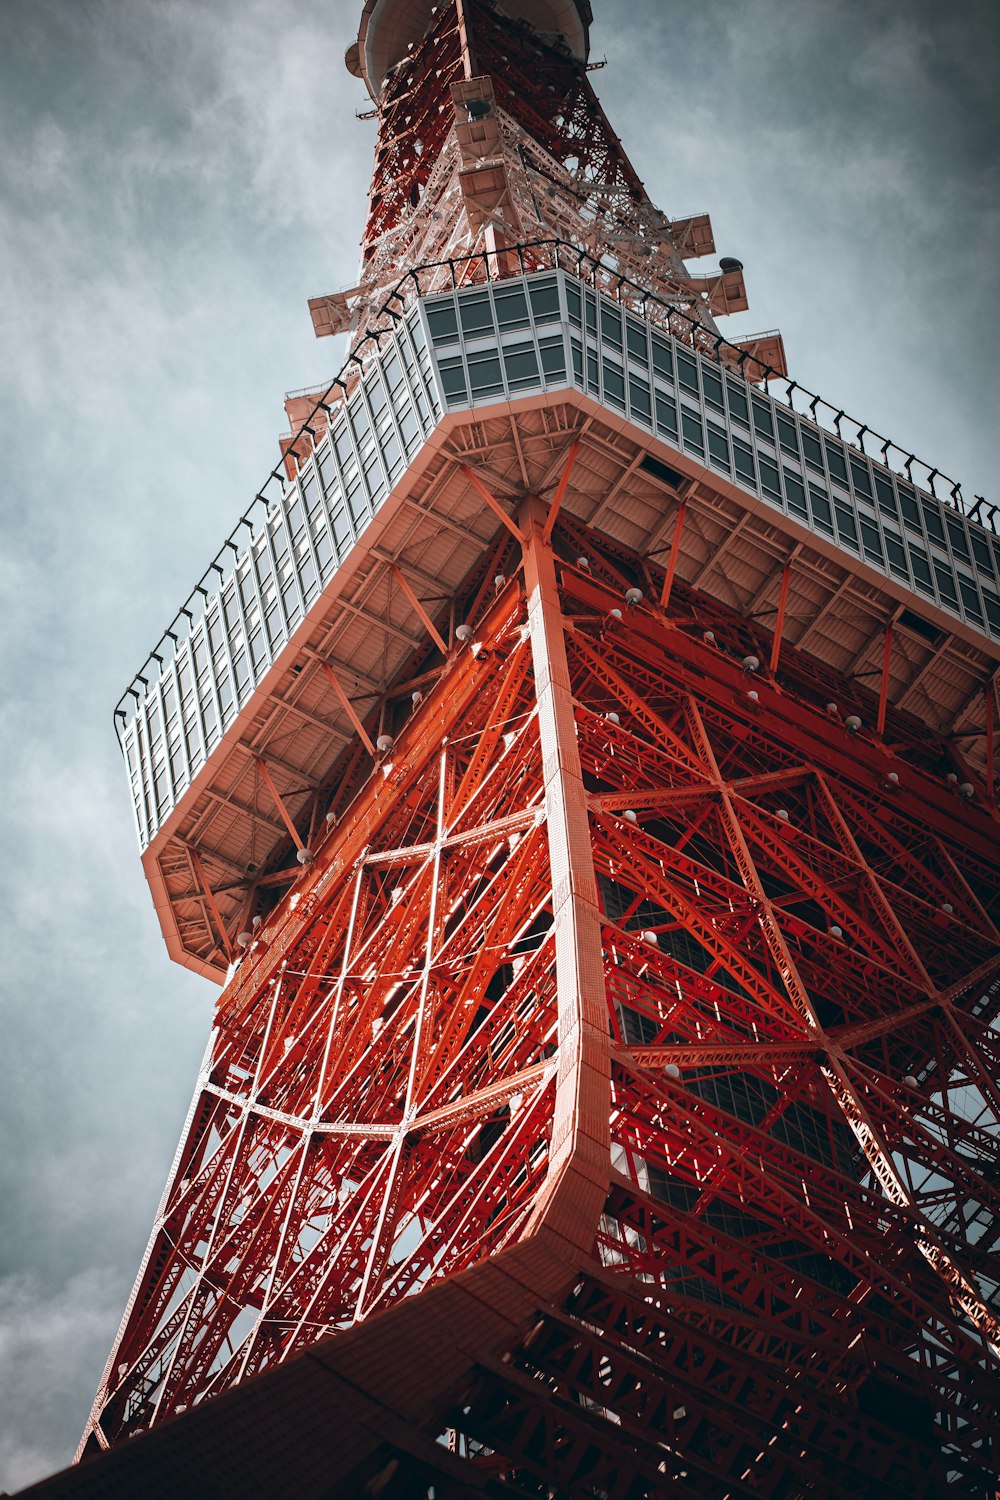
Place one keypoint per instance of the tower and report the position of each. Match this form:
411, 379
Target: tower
578, 767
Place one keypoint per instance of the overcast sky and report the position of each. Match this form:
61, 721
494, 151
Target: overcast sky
177, 177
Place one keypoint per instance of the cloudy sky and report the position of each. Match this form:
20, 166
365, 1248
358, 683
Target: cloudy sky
177, 177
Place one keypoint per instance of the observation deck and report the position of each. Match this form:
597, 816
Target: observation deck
343, 587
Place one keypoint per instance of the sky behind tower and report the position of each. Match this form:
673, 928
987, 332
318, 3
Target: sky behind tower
177, 178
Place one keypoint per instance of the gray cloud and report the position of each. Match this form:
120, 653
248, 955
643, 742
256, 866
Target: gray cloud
177, 180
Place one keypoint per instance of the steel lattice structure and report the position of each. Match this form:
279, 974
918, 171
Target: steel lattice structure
603, 1095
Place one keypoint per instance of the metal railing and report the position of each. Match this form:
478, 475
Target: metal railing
499, 265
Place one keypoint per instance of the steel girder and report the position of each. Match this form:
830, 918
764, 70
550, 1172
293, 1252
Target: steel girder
608, 958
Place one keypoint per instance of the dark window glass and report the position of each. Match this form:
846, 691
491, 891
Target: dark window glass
512, 308
884, 495
712, 386
662, 362
871, 541
992, 610
635, 336
921, 569
573, 303
593, 383
553, 358
443, 324
743, 456
835, 460
932, 520
614, 384
521, 366
847, 528
862, 479
981, 552
896, 554
738, 409
611, 325
638, 395
945, 583
787, 436
666, 416
821, 512
970, 599
691, 427
812, 451
453, 380
762, 419
770, 482
590, 309
545, 302
577, 351
476, 314
484, 373
687, 373
796, 494
718, 447
959, 545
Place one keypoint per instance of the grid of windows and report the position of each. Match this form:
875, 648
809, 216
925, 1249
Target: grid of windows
488, 343
277, 577
535, 332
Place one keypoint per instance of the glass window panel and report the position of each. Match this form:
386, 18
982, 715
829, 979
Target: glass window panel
611, 325
442, 323
847, 526
770, 481
921, 568
712, 386
787, 436
553, 358
453, 380
691, 427
512, 308
945, 582
932, 520
718, 446
476, 313
981, 552
835, 460
861, 477
666, 415
871, 541
614, 384
762, 419
795, 493
959, 545
545, 301
885, 496
739, 411
743, 456
662, 361
819, 504
687, 373
521, 365
573, 304
970, 599
635, 335
639, 397
812, 450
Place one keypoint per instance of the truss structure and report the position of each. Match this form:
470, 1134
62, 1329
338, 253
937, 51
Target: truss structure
598, 959
603, 1097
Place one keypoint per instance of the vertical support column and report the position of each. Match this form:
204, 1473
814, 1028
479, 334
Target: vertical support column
675, 547
579, 1159
779, 627
883, 692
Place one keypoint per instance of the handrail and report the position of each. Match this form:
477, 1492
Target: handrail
682, 324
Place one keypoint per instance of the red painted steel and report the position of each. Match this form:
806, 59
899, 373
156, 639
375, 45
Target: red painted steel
613, 1097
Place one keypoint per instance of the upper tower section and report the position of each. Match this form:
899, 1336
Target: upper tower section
490, 137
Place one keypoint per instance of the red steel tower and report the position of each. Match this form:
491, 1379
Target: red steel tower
578, 769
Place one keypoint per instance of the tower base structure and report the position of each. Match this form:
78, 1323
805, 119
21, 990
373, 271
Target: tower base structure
652, 1028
